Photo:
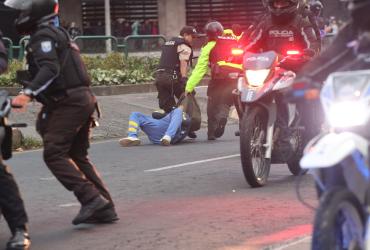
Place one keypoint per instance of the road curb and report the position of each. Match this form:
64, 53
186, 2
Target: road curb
112, 90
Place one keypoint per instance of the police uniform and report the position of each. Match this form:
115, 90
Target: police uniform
60, 82
295, 33
337, 57
168, 78
11, 203
217, 55
281, 37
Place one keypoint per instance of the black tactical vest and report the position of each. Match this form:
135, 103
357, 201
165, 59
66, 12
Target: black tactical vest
72, 69
222, 52
170, 57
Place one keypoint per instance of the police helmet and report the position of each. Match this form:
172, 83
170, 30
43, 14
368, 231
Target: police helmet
283, 8
316, 7
360, 10
32, 13
213, 30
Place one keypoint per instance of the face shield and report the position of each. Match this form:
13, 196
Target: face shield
21, 5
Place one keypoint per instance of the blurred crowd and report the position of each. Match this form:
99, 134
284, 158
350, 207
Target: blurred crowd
120, 28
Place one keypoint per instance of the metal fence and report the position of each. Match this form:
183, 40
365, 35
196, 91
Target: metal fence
135, 45
98, 45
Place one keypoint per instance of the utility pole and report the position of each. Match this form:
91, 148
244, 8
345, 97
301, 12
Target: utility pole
108, 30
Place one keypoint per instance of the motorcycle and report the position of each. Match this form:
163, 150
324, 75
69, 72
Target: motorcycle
256, 99
6, 127
339, 162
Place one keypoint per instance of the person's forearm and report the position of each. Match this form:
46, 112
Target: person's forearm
183, 68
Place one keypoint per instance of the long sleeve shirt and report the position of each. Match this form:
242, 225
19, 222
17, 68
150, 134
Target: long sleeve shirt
201, 68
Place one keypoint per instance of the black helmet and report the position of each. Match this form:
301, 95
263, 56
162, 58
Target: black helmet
32, 13
213, 30
283, 8
316, 7
360, 10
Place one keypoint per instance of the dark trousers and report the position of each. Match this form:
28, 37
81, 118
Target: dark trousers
65, 132
220, 99
169, 87
312, 118
11, 203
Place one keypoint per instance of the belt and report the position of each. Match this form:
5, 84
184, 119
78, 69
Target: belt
169, 71
77, 88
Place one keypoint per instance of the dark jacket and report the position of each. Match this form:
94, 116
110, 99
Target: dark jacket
54, 62
280, 37
335, 57
3, 56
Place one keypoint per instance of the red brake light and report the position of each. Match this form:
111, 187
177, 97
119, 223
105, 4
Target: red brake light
56, 8
293, 52
237, 52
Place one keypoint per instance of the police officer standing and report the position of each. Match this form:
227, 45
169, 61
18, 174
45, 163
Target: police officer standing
343, 55
58, 79
283, 29
217, 54
171, 75
11, 203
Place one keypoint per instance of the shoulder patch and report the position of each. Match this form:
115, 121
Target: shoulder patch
46, 46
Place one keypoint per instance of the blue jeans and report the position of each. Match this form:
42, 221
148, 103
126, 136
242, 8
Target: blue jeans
155, 129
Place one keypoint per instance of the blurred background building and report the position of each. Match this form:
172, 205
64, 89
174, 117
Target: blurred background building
151, 17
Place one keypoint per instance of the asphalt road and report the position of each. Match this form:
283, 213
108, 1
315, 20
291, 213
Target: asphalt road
189, 196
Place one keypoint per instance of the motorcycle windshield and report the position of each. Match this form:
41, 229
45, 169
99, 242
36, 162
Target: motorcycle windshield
266, 60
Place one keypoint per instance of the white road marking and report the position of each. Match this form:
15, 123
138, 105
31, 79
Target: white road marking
302, 240
70, 205
192, 163
48, 179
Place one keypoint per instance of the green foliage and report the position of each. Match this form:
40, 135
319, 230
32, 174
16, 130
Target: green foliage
113, 69
31, 143
8, 79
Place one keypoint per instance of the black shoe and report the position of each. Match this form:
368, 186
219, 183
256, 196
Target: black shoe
237, 133
19, 241
192, 135
221, 128
104, 216
90, 209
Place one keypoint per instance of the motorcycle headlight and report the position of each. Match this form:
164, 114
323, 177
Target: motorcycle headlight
348, 114
257, 78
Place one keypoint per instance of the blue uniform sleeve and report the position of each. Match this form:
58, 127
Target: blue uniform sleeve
175, 123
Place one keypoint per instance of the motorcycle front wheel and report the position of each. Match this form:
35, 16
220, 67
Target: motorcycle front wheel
253, 128
339, 222
293, 163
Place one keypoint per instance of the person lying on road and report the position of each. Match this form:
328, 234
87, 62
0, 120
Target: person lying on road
170, 129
